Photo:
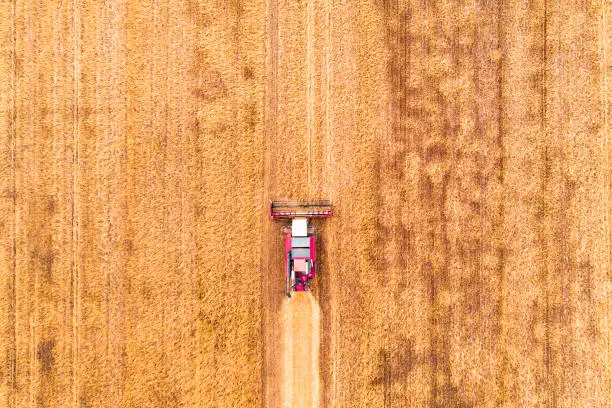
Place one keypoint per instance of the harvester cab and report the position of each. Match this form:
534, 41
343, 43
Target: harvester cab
300, 239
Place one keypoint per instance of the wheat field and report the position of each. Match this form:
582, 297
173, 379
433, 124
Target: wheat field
465, 147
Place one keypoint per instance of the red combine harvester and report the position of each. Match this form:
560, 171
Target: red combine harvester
300, 239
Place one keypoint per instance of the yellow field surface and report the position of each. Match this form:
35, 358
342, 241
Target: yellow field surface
465, 147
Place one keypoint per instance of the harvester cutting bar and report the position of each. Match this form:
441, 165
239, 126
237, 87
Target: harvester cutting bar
307, 209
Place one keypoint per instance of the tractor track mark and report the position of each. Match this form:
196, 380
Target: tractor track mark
12, 286
270, 397
330, 329
607, 181
499, 167
75, 205
543, 218
548, 357
310, 85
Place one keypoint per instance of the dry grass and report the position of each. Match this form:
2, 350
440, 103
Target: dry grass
465, 147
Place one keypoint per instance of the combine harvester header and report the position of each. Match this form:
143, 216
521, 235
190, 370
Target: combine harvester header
306, 209
300, 239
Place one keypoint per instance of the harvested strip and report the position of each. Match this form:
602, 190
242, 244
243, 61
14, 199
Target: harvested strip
301, 320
